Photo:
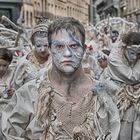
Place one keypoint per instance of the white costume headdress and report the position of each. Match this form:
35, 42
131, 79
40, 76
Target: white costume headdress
9, 38
116, 23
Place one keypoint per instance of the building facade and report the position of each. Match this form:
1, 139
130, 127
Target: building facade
108, 7
130, 9
27, 13
52, 9
31, 11
11, 9
74, 8
94, 16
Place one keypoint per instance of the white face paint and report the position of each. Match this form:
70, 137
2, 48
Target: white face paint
131, 53
67, 51
41, 45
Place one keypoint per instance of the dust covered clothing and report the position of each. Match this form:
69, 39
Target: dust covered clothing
93, 116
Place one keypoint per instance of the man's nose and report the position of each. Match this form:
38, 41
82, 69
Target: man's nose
67, 52
43, 49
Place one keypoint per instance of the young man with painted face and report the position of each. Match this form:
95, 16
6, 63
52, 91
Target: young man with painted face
70, 104
124, 73
36, 63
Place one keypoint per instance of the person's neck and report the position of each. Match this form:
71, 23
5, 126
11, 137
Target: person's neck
61, 78
40, 59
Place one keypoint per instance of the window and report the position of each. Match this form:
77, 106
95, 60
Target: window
6, 12
31, 18
27, 18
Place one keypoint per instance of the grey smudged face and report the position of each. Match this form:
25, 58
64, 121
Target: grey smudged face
41, 44
131, 53
67, 51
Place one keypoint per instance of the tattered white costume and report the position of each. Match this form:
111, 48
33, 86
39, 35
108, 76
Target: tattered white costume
96, 111
124, 83
29, 68
5, 83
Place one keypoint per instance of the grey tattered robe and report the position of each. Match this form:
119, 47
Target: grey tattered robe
125, 80
18, 119
28, 68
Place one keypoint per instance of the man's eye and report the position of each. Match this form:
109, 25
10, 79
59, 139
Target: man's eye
60, 46
73, 46
38, 46
46, 45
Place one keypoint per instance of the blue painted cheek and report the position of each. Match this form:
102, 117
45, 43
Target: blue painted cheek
56, 56
78, 54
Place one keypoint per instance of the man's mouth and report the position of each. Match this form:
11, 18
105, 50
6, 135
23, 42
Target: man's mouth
67, 62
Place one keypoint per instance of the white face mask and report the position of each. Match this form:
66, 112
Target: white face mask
131, 53
67, 51
41, 44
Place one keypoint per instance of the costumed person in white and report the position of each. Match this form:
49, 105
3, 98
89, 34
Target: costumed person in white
70, 104
36, 63
102, 59
124, 83
6, 79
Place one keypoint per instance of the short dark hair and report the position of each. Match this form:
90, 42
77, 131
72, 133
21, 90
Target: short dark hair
131, 38
67, 23
107, 52
6, 55
115, 32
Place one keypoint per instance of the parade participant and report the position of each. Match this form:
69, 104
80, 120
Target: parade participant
36, 62
102, 59
88, 61
102, 41
69, 105
114, 36
124, 73
6, 79
6, 73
